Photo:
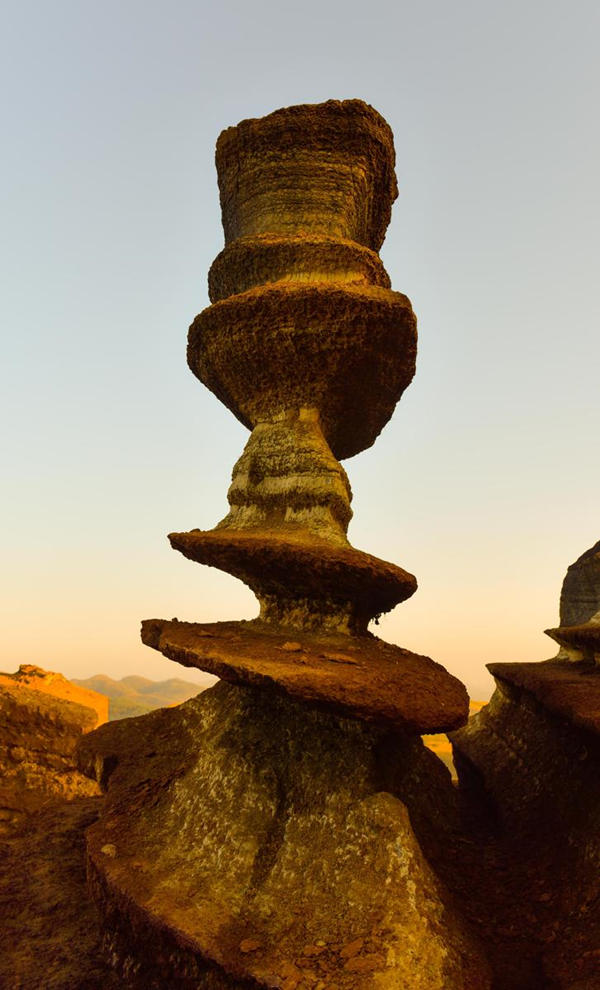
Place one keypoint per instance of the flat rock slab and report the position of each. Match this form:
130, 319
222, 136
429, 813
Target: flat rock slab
581, 642
359, 677
287, 564
571, 690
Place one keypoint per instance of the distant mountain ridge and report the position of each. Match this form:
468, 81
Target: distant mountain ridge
134, 695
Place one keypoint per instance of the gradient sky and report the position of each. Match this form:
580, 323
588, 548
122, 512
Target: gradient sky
484, 484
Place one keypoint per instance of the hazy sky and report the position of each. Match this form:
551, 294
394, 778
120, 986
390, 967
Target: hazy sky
484, 484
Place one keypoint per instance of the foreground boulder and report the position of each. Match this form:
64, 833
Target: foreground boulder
249, 841
532, 758
42, 718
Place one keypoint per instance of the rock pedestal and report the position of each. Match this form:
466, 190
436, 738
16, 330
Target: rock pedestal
42, 718
264, 835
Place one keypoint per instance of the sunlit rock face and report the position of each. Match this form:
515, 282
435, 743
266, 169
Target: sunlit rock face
307, 344
42, 718
271, 833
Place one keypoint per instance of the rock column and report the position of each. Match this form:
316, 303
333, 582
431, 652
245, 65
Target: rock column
272, 834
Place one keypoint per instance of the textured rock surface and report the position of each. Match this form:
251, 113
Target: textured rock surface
287, 474
254, 840
361, 677
49, 682
38, 735
325, 168
301, 580
568, 690
580, 595
347, 351
538, 771
579, 632
51, 939
308, 346
268, 840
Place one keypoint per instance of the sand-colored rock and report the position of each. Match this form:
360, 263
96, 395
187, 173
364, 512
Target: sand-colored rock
39, 731
325, 169
287, 474
255, 840
306, 343
349, 352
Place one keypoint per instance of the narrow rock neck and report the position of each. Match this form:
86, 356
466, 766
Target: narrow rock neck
287, 477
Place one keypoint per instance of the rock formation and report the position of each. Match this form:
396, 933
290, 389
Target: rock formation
579, 632
270, 833
288, 828
43, 716
532, 756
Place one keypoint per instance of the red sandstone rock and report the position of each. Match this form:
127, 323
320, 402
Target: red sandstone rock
370, 680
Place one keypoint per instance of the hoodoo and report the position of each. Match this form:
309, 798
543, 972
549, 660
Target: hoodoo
273, 833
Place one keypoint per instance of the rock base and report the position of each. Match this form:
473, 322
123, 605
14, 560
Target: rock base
532, 757
248, 841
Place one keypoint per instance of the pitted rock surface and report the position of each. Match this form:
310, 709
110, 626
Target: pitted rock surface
580, 595
306, 343
254, 840
325, 168
348, 351
300, 580
359, 677
38, 735
532, 759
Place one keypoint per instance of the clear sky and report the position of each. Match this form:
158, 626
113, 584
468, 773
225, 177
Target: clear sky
484, 484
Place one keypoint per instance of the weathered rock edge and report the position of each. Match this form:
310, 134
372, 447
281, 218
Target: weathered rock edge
38, 736
357, 677
249, 842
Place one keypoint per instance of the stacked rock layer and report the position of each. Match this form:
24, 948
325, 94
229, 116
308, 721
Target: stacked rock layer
268, 842
532, 755
306, 343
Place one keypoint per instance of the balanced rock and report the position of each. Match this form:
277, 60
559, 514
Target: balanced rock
579, 632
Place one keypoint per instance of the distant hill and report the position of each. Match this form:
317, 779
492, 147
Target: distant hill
135, 695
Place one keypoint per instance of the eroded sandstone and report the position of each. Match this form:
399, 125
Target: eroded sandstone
271, 833
40, 726
273, 841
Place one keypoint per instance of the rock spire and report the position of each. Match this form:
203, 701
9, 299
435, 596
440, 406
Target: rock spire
307, 344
